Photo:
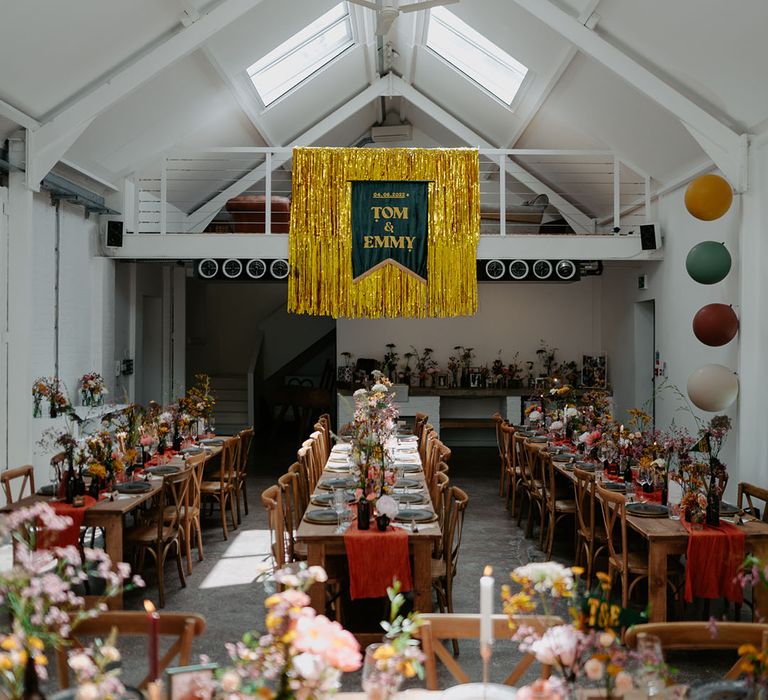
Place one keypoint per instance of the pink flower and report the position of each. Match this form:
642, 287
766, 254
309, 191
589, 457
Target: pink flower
623, 682
312, 634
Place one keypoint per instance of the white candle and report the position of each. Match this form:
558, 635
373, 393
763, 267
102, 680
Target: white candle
486, 607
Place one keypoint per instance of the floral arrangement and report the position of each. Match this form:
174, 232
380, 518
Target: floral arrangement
425, 363
301, 654
391, 358
399, 655
41, 591
96, 670
374, 422
53, 390
103, 461
588, 647
92, 389
546, 357
199, 401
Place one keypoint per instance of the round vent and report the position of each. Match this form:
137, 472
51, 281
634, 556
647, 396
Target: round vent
279, 269
542, 269
565, 269
207, 268
232, 268
256, 269
518, 269
494, 269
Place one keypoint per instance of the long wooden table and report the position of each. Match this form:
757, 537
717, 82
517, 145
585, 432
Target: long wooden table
322, 542
668, 537
109, 515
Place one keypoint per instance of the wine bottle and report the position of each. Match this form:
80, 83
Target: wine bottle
79, 484
31, 682
627, 471
69, 490
665, 489
713, 504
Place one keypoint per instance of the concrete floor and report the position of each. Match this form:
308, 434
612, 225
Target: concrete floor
224, 590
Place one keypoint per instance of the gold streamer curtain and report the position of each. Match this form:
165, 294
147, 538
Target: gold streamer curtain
320, 242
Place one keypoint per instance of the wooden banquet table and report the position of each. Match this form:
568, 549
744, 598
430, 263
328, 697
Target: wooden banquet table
323, 541
668, 537
109, 515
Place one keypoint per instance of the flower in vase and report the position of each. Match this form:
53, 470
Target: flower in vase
387, 505
556, 425
594, 669
623, 682
545, 576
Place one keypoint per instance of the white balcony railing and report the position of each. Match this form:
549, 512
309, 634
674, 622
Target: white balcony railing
522, 191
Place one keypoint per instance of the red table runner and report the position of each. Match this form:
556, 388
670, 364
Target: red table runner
71, 535
712, 562
375, 558
159, 459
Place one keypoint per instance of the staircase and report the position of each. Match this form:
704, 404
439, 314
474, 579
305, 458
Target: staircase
231, 411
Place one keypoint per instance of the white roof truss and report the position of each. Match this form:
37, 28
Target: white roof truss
727, 148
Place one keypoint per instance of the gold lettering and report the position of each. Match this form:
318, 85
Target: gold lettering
376, 211
615, 615
380, 241
593, 604
400, 212
410, 240
367, 241
397, 241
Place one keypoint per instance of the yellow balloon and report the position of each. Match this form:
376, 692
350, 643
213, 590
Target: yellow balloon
708, 197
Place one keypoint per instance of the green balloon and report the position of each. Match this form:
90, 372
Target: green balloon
708, 262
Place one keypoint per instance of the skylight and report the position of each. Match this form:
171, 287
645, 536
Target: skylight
283, 68
471, 53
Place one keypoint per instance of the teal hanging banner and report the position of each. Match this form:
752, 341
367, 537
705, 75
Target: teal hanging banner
389, 226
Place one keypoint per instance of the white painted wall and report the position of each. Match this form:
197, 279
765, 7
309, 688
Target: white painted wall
512, 317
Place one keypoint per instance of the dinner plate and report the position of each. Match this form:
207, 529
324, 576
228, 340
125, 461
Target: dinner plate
321, 516
162, 470
341, 458
538, 439
410, 468
212, 441
337, 468
554, 449
614, 486
720, 690
326, 499
417, 515
585, 466
563, 457
46, 490
134, 487
407, 484
192, 450
337, 482
342, 447
410, 498
647, 510
728, 509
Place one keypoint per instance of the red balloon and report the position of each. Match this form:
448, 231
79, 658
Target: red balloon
715, 324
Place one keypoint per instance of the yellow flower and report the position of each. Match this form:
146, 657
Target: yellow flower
9, 643
384, 652
602, 576
36, 643
288, 637
747, 649
577, 570
97, 470
407, 669
5, 662
41, 660
272, 601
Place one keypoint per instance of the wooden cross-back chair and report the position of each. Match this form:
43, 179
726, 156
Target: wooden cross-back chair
699, 636
325, 440
292, 514
438, 627
162, 532
427, 435
559, 503
306, 462
590, 530
272, 501
301, 486
501, 447
316, 437
317, 462
190, 511
534, 488
513, 480
183, 627
241, 469
27, 476
750, 491
219, 487
419, 421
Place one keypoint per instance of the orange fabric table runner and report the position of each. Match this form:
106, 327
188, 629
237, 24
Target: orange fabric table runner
712, 562
165, 457
71, 535
375, 558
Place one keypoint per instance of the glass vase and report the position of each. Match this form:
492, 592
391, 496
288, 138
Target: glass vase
381, 681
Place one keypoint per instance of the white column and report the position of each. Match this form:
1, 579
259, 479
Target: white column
21, 278
179, 332
753, 324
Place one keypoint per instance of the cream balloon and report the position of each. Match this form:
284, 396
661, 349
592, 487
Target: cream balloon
713, 387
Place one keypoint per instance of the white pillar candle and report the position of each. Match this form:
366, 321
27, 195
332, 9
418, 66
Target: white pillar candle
486, 607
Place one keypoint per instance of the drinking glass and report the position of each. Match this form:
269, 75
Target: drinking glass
380, 678
339, 504
629, 491
649, 658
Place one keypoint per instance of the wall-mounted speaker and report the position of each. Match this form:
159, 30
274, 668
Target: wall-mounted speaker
114, 234
650, 236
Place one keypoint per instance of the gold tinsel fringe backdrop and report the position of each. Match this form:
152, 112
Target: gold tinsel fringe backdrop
320, 243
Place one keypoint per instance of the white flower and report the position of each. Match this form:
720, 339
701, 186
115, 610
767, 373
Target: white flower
534, 415
594, 669
110, 653
318, 573
556, 425
623, 682
559, 645
583, 437
309, 666
230, 681
544, 575
571, 412
360, 393
387, 505
87, 691
379, 389
606, 639
80, 663
660, 462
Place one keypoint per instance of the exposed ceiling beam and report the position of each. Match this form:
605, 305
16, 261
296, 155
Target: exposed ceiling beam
128, 78
17, 116
579, 221
710, 130
198, 219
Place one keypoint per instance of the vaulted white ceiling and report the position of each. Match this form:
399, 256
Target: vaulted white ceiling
54, 53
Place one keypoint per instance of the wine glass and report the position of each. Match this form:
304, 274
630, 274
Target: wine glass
380, 679
643, 479
649, 658
339, 504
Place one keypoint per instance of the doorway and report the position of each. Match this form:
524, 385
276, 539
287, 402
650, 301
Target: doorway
645, 349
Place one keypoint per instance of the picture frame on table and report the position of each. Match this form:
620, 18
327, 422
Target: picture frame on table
191, 682
442, 381
594, 371
474, 378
